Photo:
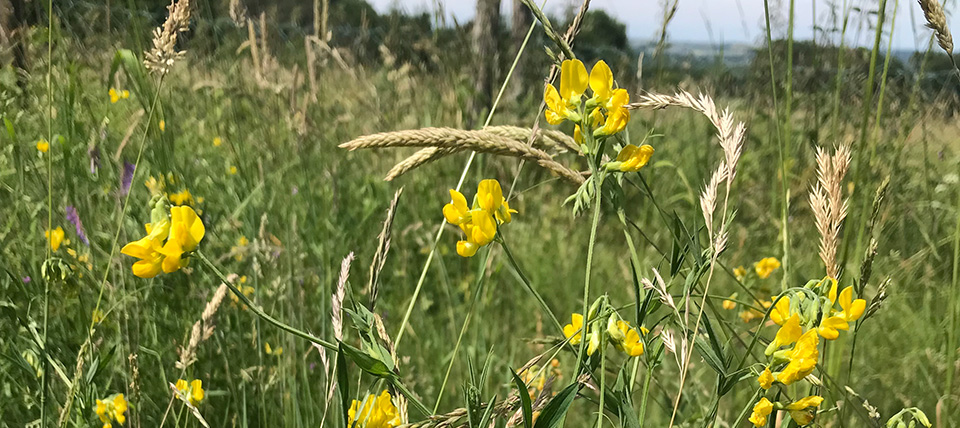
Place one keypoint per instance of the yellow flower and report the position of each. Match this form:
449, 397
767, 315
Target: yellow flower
803, 358
593, 344
43, 146
631, 158
562, 104
374, 412
728, 303
617, 114
111, 410
193, 393
631, 343
788, 333
147, 249
601, 82
852, 309
233, 170
577, 135
572, 330
181, 198
270, 351
217, 141
55, 237
761, 410
740, 272
456, 212
766, 266
114, 96
781, 311
766, 378
489, 195
829, 327
162, 125
504, 213
186, 231
803, 410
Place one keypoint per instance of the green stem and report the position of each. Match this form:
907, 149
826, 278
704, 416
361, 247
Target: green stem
260, 312
586, 281
466, 322
784, 190
603, 369
646, 394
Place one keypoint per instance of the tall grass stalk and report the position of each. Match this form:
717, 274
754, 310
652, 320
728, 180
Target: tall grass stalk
784, 186
46, 279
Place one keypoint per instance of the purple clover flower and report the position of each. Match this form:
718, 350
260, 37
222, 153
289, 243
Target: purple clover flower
127, 178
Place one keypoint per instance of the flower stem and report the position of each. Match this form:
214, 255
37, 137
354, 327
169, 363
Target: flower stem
526, 283
260, 312
586, 280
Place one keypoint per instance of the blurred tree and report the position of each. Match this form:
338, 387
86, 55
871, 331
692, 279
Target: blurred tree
485, 29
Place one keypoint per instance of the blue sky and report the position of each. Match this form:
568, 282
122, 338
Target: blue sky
716, 20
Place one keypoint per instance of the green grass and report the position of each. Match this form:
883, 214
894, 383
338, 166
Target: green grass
304, 204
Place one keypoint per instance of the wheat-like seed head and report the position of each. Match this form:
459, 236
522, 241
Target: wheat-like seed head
828, 205
937, 21
202, 329
164, 53
338, 295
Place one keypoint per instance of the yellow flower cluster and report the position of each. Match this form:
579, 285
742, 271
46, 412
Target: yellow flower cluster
43, 146
117, 95
182, 229
765, 267
112, 410
479, 222
618, 332
374, 412
794, 352
191, 392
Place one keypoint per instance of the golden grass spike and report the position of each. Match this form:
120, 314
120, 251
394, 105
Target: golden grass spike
937, 21
202, 329
450, 138
421, 157
164, 53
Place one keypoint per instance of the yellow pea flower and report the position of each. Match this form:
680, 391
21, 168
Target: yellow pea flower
114, 96
781, 312
562, 104
217, 141
803, 410
572, 330
740, 272
631, 343
43, 146
761, 410
483, 229
111, 410
788, 333
729, 304
186, 231
125, 94
829, 327
271, 351
593, 344
192, 392
852, 309
374, 412
456, 212
504, 213
577, 135
766, 266
803, 358
631, 158
489, 195
55, 238
601, 82
233, 170
765, 379
162, 125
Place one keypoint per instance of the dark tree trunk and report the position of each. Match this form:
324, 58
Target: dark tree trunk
521, 20
485, 29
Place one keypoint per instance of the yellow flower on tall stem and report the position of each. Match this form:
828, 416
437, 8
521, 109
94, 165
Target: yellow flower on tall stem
766, 378
480, 223
631, 158
766, 266
374, 412
43, 146
761, 410
186, 231
562, 105
572, 330
191, 392
55, 238
803, 410
803, 358
111, 410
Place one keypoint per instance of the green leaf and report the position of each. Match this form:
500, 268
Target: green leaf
10, 132
525, 404
554, 412
343, 382
366, 362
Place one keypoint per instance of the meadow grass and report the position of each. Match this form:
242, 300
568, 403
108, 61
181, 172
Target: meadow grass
253, 131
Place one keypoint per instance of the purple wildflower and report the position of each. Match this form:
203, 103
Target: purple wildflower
26, 279
127, 178
74, 218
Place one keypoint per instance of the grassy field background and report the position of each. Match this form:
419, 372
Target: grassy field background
251, 125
